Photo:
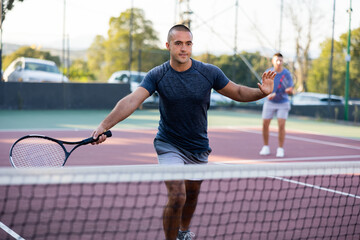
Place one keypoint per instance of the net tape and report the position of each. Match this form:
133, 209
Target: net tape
136, 173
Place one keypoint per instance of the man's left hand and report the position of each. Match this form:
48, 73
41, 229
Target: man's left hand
267, 85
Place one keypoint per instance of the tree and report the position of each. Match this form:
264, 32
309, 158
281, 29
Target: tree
112, 54
207, 58
235, 68
7, 6
29, 52
303, 37
79, 71
318, 75
96, 57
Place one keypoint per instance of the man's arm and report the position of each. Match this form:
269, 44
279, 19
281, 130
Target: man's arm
242, 93
123, 109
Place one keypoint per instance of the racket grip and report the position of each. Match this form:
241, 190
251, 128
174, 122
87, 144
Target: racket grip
91, 139
108, 133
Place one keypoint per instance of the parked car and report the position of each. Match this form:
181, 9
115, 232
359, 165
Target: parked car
310, 98
25, 69
217, 99
132, 77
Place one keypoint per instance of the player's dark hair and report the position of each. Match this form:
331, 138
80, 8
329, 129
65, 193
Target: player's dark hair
278, 55
177, 27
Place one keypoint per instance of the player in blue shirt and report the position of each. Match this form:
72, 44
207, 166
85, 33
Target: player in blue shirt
184, 86
277, 102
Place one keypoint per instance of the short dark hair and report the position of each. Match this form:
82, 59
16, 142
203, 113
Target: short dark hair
177, 27
278, 55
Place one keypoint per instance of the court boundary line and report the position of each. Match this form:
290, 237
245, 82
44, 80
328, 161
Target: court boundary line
308, 139
294, 159
243, 129
317, 187
305, 184
10, 231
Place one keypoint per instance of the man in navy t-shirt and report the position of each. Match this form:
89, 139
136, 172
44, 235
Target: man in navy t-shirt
184, 86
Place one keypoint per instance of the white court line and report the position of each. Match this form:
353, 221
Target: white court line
10, 231
324, 142
307, 185
295, 159
309, 140
317, 187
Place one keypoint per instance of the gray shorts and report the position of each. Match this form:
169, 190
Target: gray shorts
281, 110
169, 154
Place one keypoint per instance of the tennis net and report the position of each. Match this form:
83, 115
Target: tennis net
244, 201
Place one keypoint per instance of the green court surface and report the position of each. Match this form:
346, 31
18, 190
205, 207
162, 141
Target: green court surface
11, 120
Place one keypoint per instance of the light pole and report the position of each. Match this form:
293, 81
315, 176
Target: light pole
63, 43
348, 58
331, 58
130, 35
281, 21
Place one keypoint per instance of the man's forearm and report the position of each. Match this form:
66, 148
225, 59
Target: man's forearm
250, 94
123, 109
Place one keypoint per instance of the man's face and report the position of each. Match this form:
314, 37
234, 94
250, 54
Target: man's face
277, 62
180, 46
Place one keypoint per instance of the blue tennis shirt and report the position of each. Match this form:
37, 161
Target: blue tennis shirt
282, 81
184, 98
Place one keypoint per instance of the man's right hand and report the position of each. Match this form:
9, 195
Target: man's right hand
271, 96
99, 132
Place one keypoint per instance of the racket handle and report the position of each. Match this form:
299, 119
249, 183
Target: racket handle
108, 133
91, 139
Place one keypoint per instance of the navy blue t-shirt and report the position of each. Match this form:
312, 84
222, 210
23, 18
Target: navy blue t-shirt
184, 98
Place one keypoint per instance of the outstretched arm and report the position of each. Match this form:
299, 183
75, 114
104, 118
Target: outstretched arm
123, 109
242, 93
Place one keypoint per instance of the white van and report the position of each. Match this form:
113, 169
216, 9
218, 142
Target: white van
25, 69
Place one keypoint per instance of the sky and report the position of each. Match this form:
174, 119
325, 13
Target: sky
214, 24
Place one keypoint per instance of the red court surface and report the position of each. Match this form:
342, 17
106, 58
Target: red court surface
226, 209
236, 145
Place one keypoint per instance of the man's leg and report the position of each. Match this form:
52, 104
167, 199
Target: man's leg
265, 150
265, 131
267, 114
282, 115
192, 193
281, 125
173, 209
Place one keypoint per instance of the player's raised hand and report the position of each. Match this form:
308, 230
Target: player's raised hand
267, 84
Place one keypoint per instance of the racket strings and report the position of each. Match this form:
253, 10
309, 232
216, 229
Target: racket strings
37, 152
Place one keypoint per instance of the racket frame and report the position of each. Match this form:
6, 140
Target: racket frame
60, 142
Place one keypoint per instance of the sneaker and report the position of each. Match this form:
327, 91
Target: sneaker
280, 152
185, 235
265, 150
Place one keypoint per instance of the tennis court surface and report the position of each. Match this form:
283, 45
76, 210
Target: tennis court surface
116, 191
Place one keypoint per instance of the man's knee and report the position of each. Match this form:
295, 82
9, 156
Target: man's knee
281, 123
176, 194
192, 190
266, 123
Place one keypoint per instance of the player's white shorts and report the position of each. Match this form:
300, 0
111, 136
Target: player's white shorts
281, 110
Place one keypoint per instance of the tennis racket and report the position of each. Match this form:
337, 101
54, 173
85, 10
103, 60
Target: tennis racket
42, 151
280, 90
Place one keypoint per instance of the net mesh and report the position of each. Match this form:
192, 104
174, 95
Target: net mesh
256, 201
37, 152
